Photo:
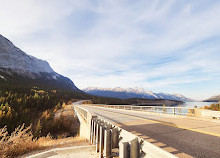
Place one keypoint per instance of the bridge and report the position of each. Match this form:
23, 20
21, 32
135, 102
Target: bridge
144, 131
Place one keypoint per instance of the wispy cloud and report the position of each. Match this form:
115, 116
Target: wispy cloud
159, 45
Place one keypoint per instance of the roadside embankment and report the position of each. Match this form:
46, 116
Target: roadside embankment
23, 139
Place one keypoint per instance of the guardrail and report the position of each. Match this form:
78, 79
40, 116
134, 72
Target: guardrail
82, 112
157, 109
196, 112
108, 137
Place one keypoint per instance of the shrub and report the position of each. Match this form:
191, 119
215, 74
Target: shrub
215, 107
18, 142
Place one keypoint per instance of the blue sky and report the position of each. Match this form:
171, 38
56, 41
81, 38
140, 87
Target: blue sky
168, 46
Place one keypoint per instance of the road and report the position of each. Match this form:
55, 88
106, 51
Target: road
68, 152
183, 137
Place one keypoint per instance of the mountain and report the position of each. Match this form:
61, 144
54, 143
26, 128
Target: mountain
178, 97
18, 69
137, 92
120, 92
215, 98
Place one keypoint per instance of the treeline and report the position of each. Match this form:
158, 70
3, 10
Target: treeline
215, 107
37, 106
33, 106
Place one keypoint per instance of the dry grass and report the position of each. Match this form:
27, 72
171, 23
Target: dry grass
69, 120
21, 141
46, 142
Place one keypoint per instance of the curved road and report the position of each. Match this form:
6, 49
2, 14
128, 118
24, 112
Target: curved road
182, 136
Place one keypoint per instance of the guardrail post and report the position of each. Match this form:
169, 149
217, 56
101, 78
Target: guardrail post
135, 148
97, 136
107, 144
91, 131
101, 142
108, 126
180, 111
94, 132
124, 150
173, 111
115, 137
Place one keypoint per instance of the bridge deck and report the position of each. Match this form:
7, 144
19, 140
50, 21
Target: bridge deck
181, 136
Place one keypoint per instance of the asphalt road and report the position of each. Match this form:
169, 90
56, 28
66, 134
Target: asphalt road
180, 136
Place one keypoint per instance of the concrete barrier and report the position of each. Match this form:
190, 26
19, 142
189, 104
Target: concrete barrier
85, 118
210, 114
204, 113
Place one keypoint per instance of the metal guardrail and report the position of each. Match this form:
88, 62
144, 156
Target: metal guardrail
156, 109
107, 137
82, 112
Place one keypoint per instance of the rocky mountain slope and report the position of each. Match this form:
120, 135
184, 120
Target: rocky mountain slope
215, 98
178, 97
125, 93
18, 69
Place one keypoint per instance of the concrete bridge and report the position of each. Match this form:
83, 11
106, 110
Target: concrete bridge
132, 131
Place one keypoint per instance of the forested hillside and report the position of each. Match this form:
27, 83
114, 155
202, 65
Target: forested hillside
33, 106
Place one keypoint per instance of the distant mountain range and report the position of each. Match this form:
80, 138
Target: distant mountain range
17, 69
125, 93
215, 98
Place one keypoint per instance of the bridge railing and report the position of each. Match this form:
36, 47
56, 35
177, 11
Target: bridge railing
82, 112
108, 137
196, 112
156, 109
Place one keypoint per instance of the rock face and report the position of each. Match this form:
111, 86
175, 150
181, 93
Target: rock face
137, 92
18, 68
13, 58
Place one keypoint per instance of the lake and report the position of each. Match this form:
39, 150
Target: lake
198, 104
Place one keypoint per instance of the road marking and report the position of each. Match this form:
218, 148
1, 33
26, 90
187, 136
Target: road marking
195, 130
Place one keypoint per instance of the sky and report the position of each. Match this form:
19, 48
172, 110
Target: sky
170, 46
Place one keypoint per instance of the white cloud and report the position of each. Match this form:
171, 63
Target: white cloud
118, 43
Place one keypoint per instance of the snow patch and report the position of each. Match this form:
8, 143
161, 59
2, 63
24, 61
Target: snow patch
2, 77
55, 77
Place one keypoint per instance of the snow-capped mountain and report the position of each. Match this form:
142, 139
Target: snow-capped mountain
178, 97
120, 92
137, 92
16, 67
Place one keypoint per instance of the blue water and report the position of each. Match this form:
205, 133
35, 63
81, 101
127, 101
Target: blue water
198, 104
